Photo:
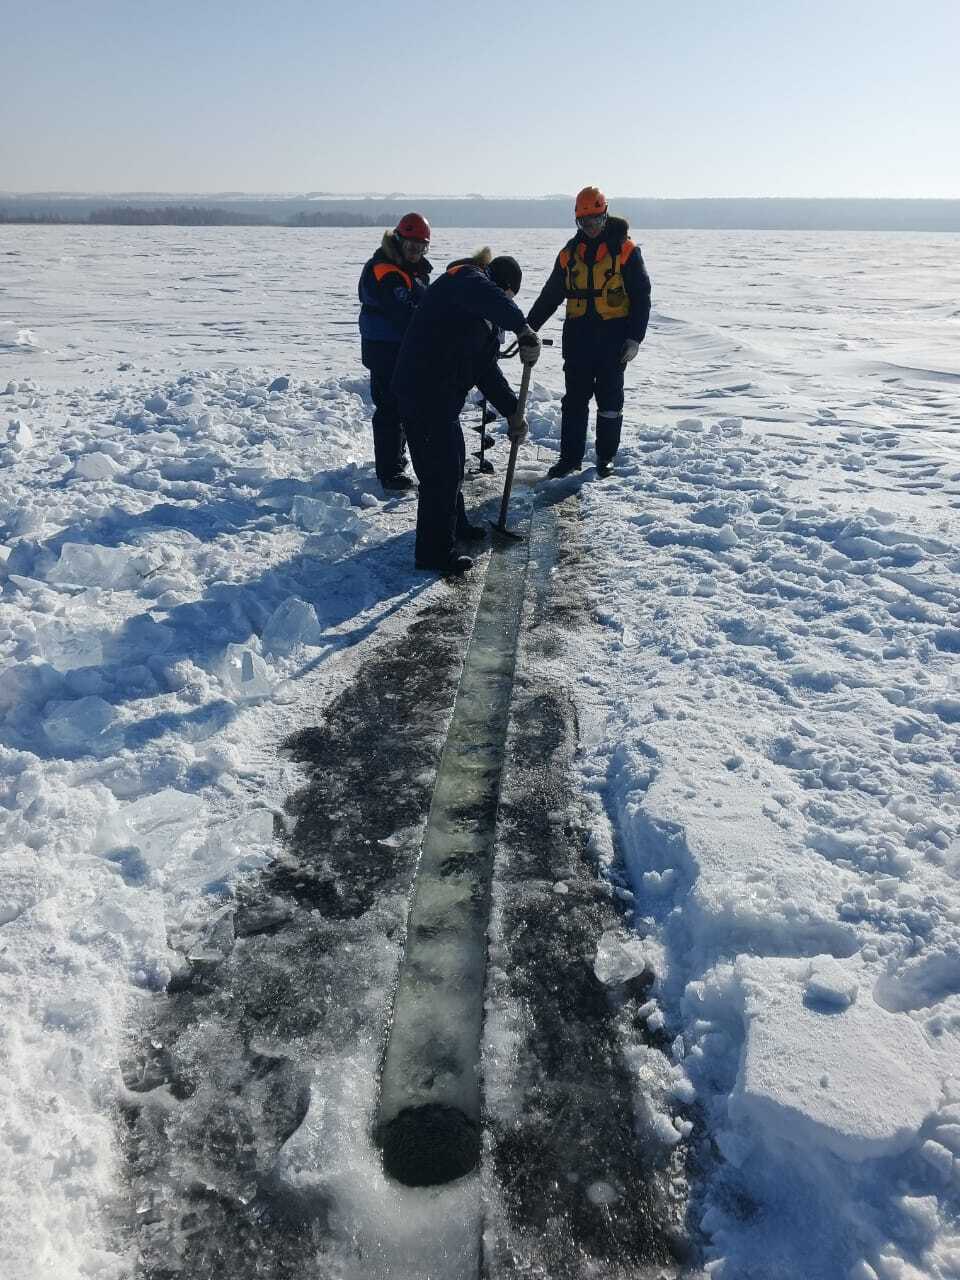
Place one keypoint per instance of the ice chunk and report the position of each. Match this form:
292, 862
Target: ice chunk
19, 435
80, 724
620, 958
659, 1125
327, 513
216, 939
28, 684
95, 466
245, 673
158, 826
89, 565
328, 545
236, 847
291, 623
253, 475
831, 983
66, 648
725, 536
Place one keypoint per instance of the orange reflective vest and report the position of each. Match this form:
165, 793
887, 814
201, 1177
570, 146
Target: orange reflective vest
602, 281
382, 269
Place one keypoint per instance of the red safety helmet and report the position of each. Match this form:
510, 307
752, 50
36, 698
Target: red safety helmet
413, 226
591, 203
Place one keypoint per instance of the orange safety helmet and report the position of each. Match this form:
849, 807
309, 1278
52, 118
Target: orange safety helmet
413, 226
591, 203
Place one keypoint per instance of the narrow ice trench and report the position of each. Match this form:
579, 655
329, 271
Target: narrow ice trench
429, 1118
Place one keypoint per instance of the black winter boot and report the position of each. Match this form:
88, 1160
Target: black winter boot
456, 566
561, 469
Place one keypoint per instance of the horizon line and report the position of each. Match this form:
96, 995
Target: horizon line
326, 196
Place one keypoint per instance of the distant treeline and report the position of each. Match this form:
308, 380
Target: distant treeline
340, 218
192, 215
238, 209
174, 215
46, 219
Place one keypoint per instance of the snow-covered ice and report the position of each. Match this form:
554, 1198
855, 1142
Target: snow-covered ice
768, 696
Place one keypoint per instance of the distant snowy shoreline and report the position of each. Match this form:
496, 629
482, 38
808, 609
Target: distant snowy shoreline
717, 214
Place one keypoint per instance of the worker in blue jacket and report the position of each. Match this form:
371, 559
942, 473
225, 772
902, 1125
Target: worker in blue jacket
392, 283
601, 275
451, 345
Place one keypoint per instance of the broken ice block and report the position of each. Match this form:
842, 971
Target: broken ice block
89, 565
95, 466
293, 622
157, 825
327, 513
245, 673
19, 435
66, 648
79, 724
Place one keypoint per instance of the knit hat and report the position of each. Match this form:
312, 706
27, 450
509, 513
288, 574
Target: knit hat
505, 272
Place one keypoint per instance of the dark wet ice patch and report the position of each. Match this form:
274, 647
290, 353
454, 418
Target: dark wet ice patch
296, 984
574, 1185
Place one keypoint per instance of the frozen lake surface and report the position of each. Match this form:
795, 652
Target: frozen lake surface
749, 653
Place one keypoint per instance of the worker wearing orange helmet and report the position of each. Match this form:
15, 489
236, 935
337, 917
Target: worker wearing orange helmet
391, 284
601, 275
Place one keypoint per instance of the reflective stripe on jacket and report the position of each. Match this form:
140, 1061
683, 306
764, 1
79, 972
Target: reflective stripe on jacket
389, 291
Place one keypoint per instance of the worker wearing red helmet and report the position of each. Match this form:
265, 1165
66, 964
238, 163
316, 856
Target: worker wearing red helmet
391, 285
601, 275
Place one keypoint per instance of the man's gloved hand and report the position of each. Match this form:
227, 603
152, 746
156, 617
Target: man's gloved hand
517, 427
529, 346
628, 351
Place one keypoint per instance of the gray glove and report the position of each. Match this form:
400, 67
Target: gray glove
629, 351
529, 346
517, 427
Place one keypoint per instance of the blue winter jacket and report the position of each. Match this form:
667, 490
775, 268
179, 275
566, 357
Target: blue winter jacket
452, 342
389, 291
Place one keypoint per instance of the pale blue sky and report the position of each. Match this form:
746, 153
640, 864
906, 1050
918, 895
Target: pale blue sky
674, 98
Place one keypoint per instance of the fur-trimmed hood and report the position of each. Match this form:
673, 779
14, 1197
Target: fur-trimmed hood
482, 259
391, 250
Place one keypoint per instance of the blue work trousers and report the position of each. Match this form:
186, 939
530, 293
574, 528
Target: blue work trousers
438, 453
591, 370
389, 441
